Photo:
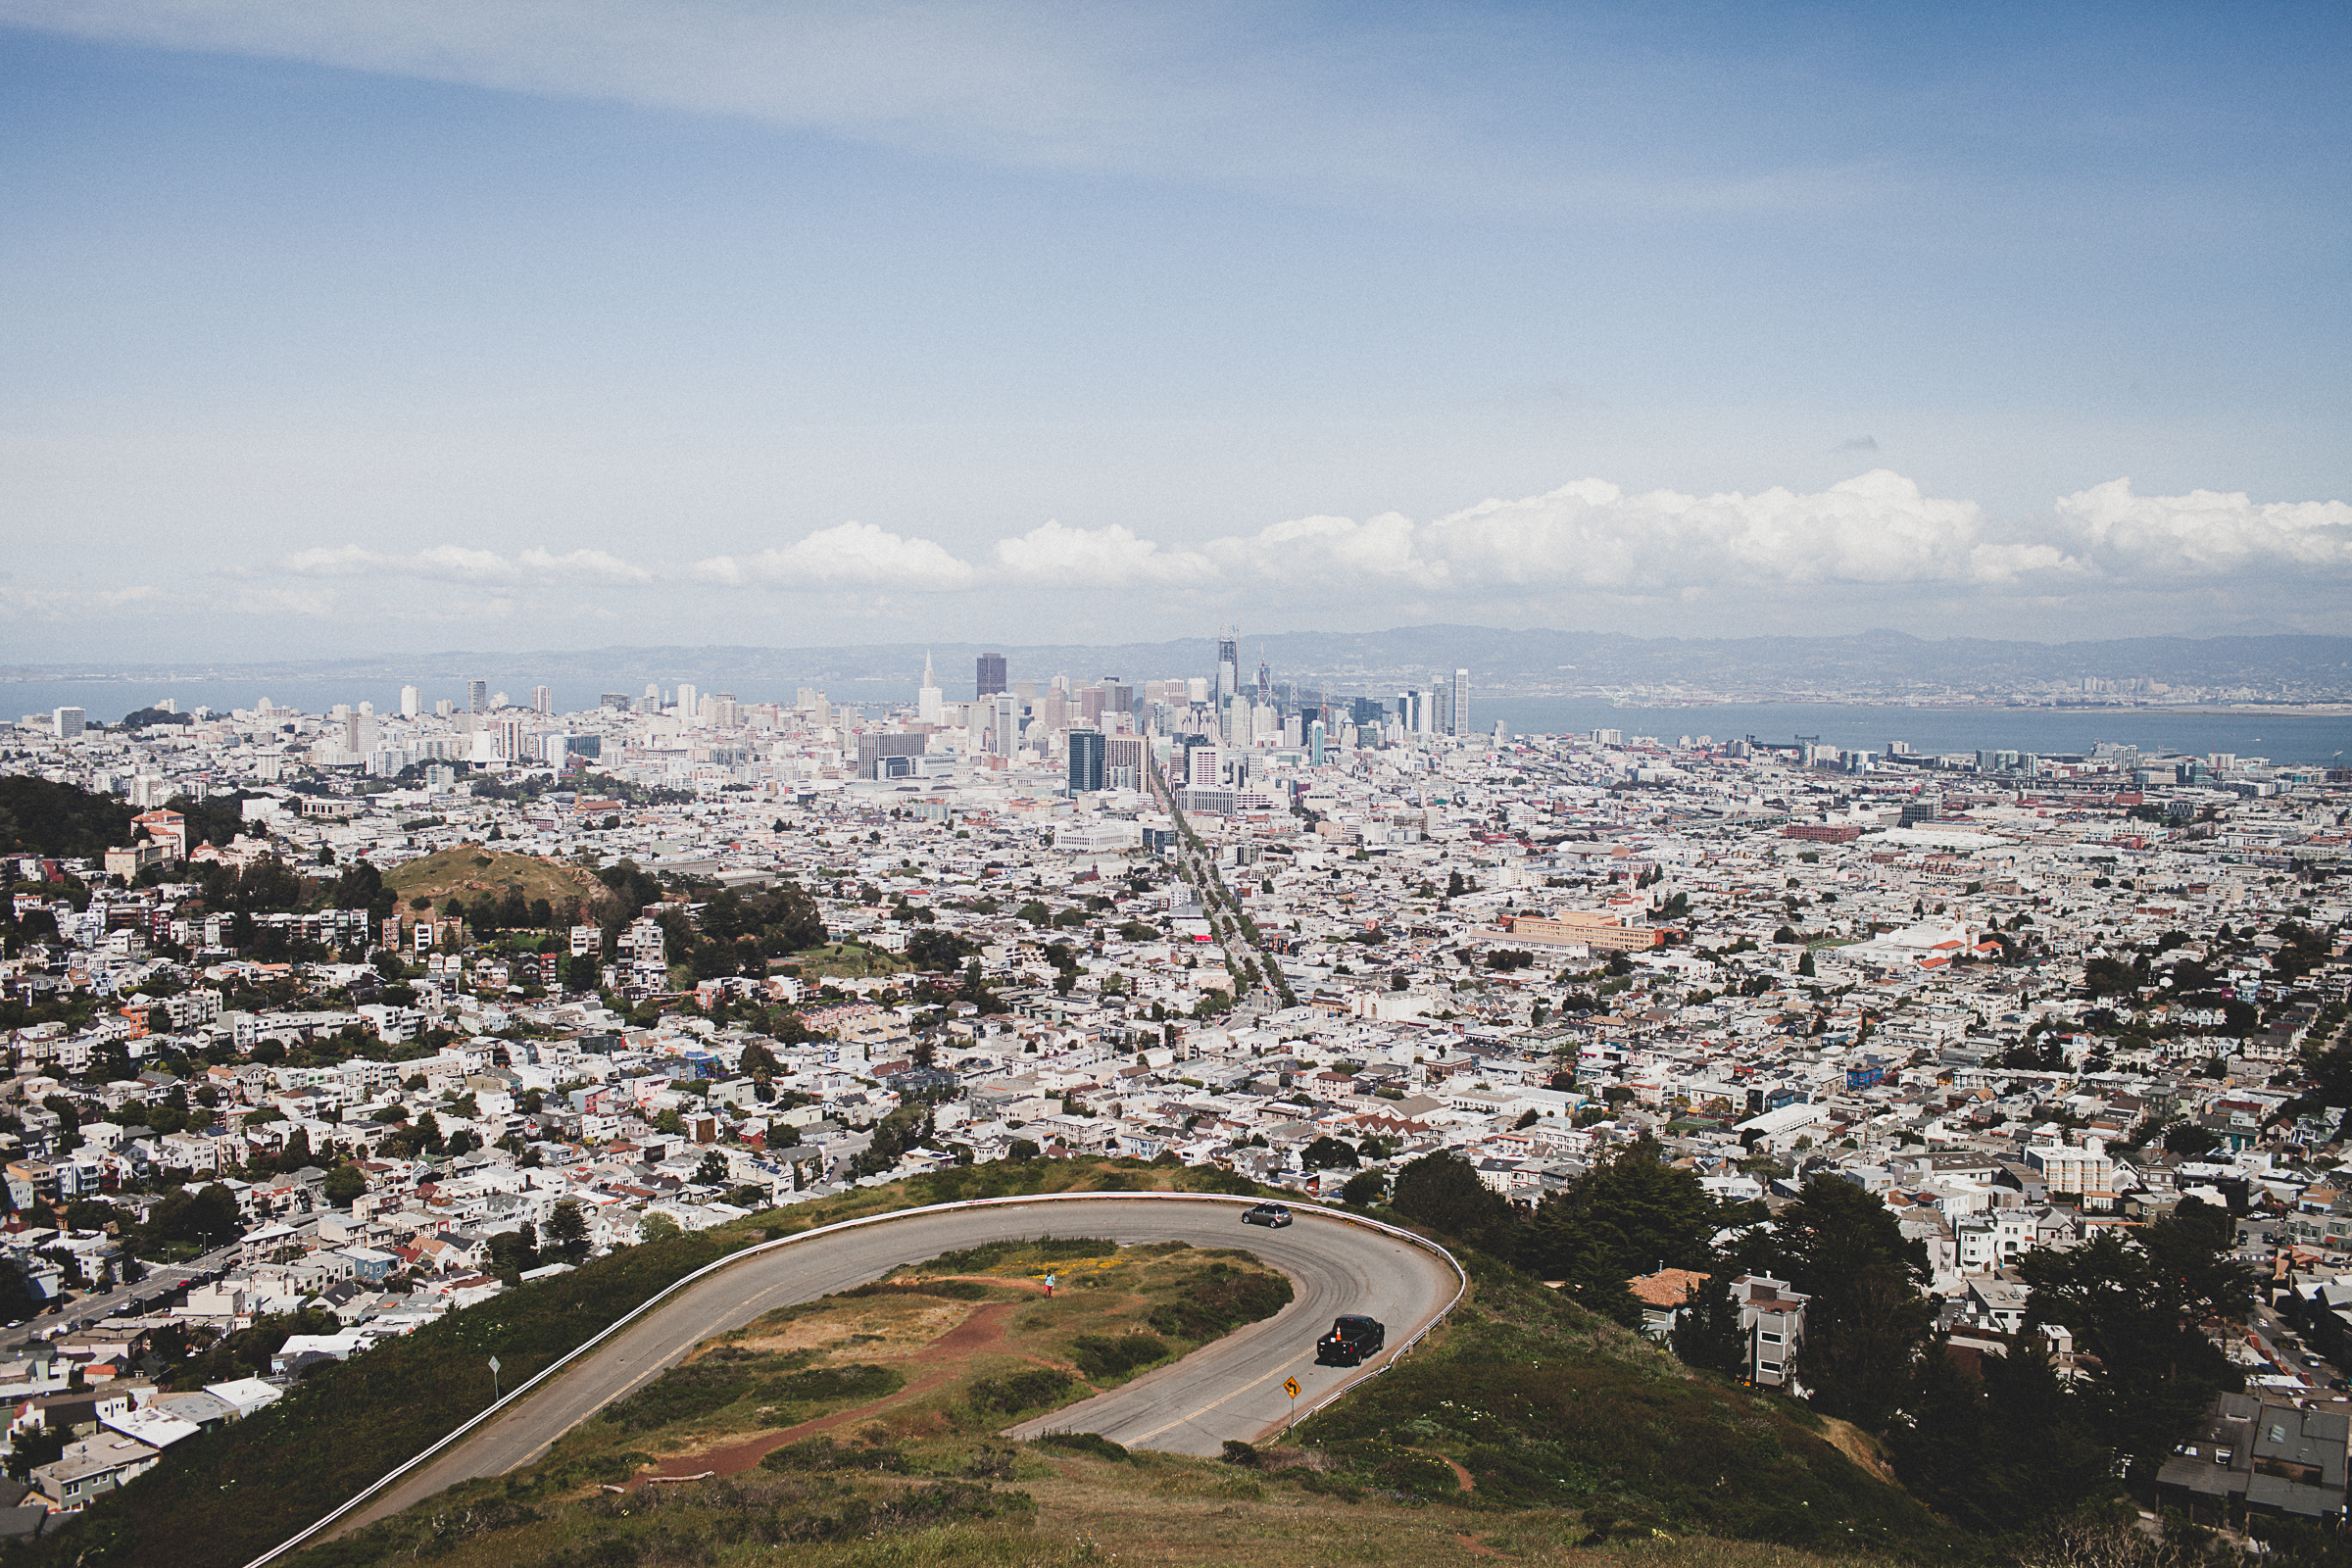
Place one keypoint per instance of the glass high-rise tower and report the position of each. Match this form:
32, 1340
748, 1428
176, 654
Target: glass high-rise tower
1086, 761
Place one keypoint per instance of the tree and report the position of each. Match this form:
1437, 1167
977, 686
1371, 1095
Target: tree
795, 923
712, 1170
2140, 1308
35, 1447
1442, 1192
655, 1226
203, 1219
513, 1253
933, 949
568, 1228
1861, 1340
345, 1183
2001, 1451
1707, 1335
361, 887
39, 818
1628, 1215
1833, 1231
1326, 1153
18, 1303
1364, 1189
2190, 1140
1843, 1248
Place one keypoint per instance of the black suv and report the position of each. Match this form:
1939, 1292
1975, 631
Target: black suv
1350, 1341
1267, 1215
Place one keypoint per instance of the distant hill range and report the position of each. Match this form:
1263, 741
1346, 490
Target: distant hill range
1870, 664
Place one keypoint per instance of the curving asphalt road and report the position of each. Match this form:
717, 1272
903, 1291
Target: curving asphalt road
1232, 1388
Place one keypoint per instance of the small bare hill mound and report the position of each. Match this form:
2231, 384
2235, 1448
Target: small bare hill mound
470, 870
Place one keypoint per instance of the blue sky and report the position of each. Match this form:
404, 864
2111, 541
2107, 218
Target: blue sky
337, 329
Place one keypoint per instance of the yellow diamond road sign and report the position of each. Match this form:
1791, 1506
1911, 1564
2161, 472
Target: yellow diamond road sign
1291, 1383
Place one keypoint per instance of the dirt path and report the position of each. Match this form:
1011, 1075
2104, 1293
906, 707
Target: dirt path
983, 1330
1461, 1477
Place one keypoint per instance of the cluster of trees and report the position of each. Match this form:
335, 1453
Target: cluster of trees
504, 911
934, 949
266, 887
2000, 1446
907, 1127
187, 1223
61, 820
1334, 1153
737, 933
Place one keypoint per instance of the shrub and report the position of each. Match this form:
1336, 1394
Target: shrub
948, 1290
1023, 1391
1092, 1443
1103, 1355
1219, 1301
823, 1453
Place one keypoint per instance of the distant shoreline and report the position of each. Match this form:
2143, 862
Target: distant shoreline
1702, 703
1493, 693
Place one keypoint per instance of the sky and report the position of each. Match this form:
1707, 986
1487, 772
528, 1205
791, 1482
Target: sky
335, 328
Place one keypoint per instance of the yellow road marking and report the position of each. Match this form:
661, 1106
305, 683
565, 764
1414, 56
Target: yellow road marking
1213, 1404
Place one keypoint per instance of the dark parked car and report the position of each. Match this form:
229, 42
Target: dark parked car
1267, 1215
1350, 1341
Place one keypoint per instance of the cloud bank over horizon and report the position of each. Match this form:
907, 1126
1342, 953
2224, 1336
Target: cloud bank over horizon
1586, 554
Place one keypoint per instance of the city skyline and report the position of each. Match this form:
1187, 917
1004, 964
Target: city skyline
353, 331
1669, 684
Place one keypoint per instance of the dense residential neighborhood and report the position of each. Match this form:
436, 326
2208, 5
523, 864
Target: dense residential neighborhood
321, 1027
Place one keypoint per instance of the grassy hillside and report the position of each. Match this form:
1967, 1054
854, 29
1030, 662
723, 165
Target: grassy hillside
1542, 1405
470, 870
1530, 1430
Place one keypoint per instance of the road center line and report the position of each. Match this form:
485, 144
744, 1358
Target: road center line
1221, 1400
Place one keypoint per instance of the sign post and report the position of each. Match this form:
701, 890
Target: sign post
1290, 1386
494, 1393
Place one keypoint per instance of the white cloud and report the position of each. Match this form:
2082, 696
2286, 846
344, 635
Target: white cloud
589, 565
2204, 532
846, 554
1380, 549
1876, 538
460, 565
1877, 529
1051, 555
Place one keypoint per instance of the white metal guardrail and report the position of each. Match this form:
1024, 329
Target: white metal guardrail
1461, 1285
465, 1427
